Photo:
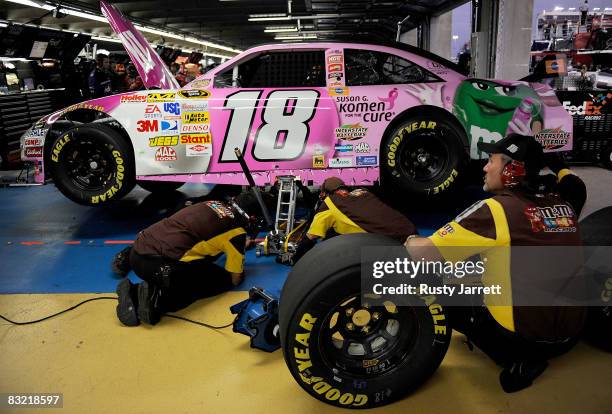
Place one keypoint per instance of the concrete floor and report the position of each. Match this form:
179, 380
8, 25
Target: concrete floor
176, 367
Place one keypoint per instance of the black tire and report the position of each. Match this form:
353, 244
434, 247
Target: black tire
317, 287
160, 187
426, 160
596, 230
92, 164
605, 156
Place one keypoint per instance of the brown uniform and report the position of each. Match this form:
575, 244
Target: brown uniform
200, 231
359, 211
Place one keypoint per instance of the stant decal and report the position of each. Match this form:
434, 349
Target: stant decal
196, 117
552, 138
35, 152
196, 139
133, 98
164, 141
165, 154
340, 162
195, 128
198, 150
350, 132
161, 97
194, 94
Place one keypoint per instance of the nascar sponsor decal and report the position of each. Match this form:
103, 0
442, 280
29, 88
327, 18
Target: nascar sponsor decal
161, 97
194, 107
196, 139
36, 132
338, 91
196, 117
133, 98
171, 125
198, 150
199, 83
33, 142
590, 110
35, 152
334, 68
552, 138
361, 107
340, 162
164, 141
165, 154
318, 161
350, 132
172, 108
366, 160
362, 148
147, 125
195, 128
152, 112
436, 68
54, 117
344, 148
194, 94
556, 219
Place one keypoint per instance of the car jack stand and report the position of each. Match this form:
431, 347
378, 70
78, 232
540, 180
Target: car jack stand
257, 317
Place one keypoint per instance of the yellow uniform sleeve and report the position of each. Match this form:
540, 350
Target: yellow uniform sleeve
234, 259
321, 223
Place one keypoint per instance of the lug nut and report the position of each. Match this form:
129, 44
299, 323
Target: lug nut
350, 326
365, 329
366, 305
350, 311
375, 316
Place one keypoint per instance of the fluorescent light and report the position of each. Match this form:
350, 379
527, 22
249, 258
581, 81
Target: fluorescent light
572, 9
596, 8
455, 37
210, 44
32, 3
106, 39
158, 32
280, 29
265, 19
9, 59
216, 55
84, 15
296, 37
3, 25
267, 15
558, 8
608, 8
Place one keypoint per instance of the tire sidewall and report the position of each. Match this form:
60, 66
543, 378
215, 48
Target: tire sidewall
122, 178
606, 156
395, 141
302, 344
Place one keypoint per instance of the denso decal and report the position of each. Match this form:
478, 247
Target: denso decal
35, 152
552, 138
32, 142
351, 132
198, 150
194, 94
165, 154
169, 125
366, 160
152, 111
161, 97
340, 162
133, 98
164, 141
173, 108
196, 117
196, 139
195, 128
361, 107
147, 125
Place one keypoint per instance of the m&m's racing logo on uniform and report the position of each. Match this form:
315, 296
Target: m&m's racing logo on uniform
559, 218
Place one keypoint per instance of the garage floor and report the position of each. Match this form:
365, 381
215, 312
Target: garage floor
54, 253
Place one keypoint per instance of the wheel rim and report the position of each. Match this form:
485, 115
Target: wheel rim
424, 156
90, 166
359, 340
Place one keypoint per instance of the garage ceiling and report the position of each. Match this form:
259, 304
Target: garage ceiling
236, 23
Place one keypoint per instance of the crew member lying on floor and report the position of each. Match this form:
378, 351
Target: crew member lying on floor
175, 258
358, 211
528, 209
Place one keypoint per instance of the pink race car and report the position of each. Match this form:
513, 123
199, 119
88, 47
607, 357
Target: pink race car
367, 113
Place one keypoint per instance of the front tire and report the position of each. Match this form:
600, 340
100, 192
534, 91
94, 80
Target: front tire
422, 155
327, 350
92, 164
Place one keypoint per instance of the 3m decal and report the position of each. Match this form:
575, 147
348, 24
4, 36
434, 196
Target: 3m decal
164, 141
147, 125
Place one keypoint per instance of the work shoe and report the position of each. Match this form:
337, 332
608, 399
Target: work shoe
520, 375
121, 262
149, 299
127, 308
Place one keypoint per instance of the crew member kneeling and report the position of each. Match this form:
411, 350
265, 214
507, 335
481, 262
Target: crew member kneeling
519, 338
357, 211
175, 258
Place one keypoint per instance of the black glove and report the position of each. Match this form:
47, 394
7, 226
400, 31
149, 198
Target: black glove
555, 161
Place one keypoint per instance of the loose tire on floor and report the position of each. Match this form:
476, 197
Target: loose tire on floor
92, 164
596, 230
322, 288
160, 187
423, 155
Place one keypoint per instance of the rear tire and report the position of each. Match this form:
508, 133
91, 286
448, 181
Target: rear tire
423, 155
92, 164
322, 286
160, 187
606, 157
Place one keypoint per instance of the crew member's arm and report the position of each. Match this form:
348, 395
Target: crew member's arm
321, 223
234, 248
570, 187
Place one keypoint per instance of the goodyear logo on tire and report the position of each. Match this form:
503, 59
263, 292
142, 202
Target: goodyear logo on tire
161, 97
194, 94
196, 117
57, 148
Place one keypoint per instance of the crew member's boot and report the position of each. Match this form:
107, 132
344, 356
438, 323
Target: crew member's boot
149, 303
127, 307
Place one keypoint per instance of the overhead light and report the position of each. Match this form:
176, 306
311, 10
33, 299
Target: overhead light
280, 29
572, 9
296, 37
558, 8
32, 3
216, 55
266, 19
210, 44
84, 15
267, 15
596, 8
106, 39
608, 8
158, 32
3, 25
455, 37
10, 59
